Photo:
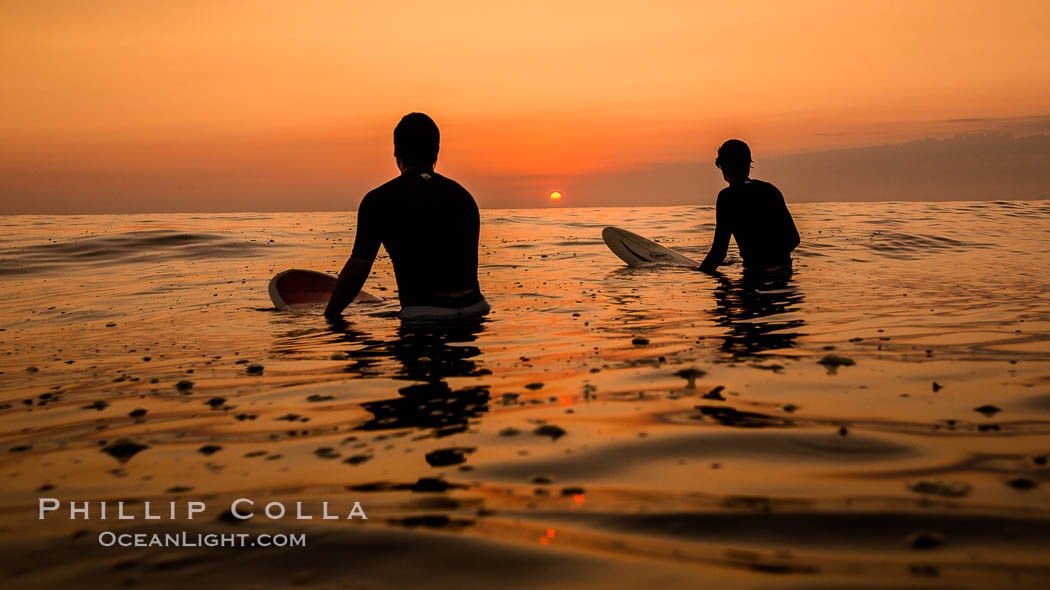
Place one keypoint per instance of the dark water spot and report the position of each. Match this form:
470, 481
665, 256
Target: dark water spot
752, 503
228, 517
432, 484
435, 521
124, 449
783, 568
950, 489
1021, 483
716, 393
374, 486
691, 374
326, 453
728, 416
834, 361
925, 540
988, 410
450, 456
924, 570
555, 432
428, 405
209, 449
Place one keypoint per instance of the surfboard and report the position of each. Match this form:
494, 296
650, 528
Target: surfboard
635, 250
306, 287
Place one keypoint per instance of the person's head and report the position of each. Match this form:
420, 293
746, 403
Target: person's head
416, 140
734, 160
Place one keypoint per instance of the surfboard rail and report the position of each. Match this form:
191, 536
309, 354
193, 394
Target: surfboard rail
636, 250
299, 286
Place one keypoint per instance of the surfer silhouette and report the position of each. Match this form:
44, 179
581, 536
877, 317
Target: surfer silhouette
753, 213
429, 226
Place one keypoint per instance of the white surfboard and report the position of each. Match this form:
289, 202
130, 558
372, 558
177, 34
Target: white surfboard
306, 287
635, 250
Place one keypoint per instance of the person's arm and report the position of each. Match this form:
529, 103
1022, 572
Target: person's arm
355, 271
351, 279
791, 237
720, 244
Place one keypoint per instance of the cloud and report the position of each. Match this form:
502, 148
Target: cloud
1010, 125
964, 167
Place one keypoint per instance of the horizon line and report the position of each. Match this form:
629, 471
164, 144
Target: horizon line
555, 208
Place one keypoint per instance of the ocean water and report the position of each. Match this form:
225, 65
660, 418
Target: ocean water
679, 423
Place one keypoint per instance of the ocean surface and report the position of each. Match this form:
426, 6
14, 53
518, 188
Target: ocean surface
879, 418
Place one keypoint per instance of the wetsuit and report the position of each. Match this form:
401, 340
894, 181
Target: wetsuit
429, 225
755, 214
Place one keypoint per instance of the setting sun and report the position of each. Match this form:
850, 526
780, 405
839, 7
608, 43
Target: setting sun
555, 196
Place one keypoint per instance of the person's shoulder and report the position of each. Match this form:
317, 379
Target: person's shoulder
725, 195
449, 183
451, 187
764, 186
374, 199
763, 189
387, 187
391, 186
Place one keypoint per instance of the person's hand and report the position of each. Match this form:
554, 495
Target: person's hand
335, 321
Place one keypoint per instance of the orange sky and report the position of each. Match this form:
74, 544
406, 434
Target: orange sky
112, 106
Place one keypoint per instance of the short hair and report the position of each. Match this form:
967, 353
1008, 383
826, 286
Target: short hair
416, 140
734, 156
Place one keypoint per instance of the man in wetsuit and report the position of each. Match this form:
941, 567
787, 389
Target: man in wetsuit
429, 225
754, 213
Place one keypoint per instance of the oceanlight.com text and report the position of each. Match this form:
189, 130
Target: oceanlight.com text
184, 539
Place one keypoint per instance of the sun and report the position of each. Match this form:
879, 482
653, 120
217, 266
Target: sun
555, 196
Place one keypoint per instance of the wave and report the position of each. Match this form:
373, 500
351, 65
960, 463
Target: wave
124, 247
909, 246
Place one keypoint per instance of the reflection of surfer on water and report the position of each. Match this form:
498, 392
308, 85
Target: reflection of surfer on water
429, 226
753, 309
753, 213
429, 353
